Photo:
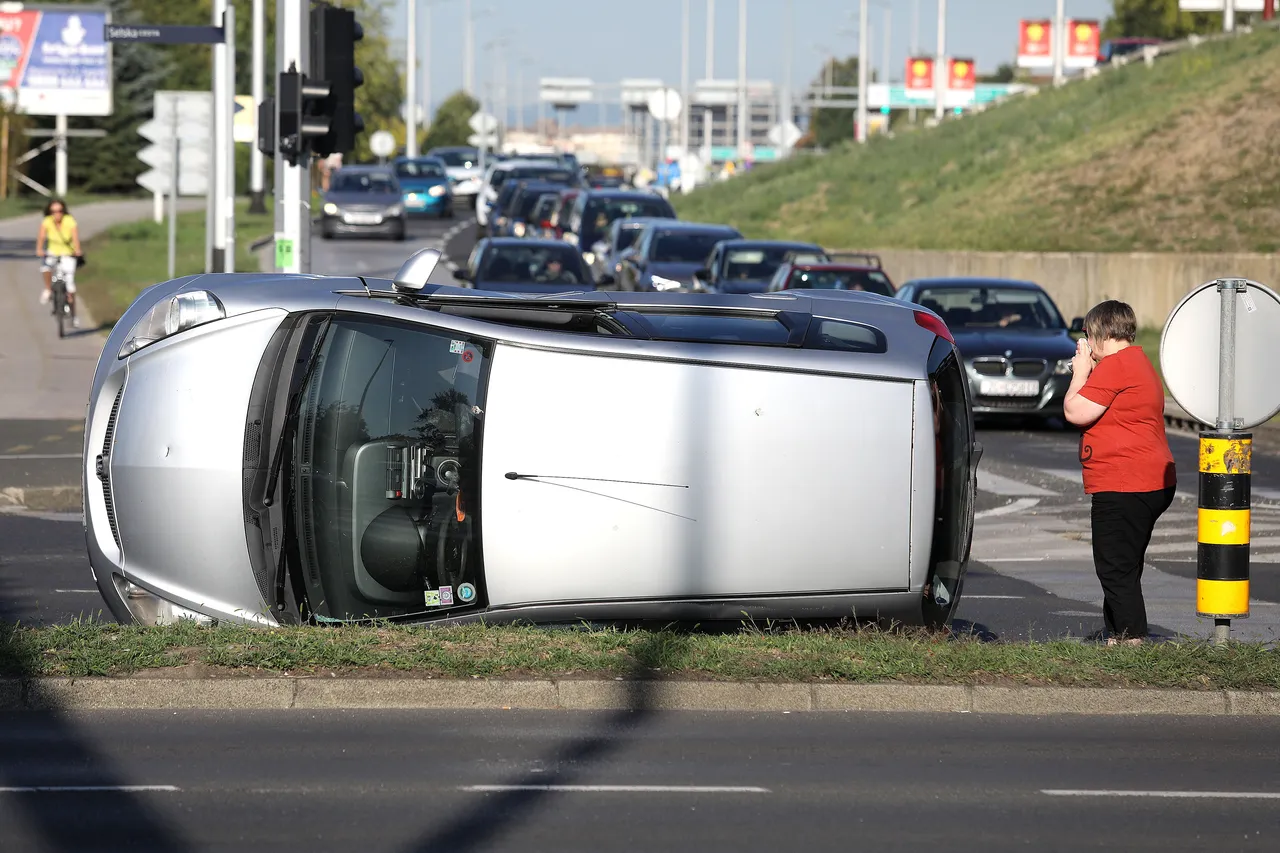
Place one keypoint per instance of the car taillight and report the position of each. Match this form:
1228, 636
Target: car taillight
933, 324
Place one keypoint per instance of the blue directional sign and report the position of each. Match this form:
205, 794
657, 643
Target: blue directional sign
164, 33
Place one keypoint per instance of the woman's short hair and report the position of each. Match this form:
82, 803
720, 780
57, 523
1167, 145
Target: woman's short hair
1112, 320
48, 208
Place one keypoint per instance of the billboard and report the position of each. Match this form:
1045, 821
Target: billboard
919, 77
961, 74
1035, 44
1083, 41
55, 61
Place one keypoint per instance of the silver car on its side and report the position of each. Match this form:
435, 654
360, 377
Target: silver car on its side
279, 449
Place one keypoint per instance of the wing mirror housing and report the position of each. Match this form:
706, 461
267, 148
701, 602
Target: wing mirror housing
461, 274
415, 272
606, 280
1077, 324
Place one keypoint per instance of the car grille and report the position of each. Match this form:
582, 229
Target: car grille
362, 208
1028, 367
104, 465
989, 366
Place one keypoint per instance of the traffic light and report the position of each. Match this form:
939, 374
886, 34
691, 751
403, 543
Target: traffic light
304, 118
334, 33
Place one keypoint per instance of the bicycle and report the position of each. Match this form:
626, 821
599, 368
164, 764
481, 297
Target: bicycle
63, 309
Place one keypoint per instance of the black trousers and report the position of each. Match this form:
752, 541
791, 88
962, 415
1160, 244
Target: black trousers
1122, 525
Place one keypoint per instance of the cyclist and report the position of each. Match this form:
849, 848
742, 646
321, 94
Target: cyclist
58, 244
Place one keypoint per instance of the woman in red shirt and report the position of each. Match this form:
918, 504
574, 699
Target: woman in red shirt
1117, 397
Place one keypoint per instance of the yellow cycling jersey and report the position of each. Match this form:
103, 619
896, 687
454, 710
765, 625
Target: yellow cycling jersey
57, 238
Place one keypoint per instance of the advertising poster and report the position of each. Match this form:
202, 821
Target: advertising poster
1035, 44
964, 75
920, 74
55, 62
1083, 41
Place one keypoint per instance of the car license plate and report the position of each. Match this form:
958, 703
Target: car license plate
363, 219
1009, 388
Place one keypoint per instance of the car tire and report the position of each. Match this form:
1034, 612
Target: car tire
447, 213
399, 235
326, 234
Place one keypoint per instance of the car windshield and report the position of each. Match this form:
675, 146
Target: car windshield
688, 247
854, 279
991, 307
545, 206
419, 169
458, 159
600, 213
386, 472
754, 264
627, 238
549, 175
362, 182
522, 207
522, 264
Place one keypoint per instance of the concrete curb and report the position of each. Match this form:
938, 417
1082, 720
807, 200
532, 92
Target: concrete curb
43, 498
316, 692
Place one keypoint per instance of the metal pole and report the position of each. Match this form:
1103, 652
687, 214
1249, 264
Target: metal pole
742, 78
684, 77
257, 162
173, 198
1059, 43
520, 98
787, 62
411, 80
217, 162
915, 41
864, 28
888, 45
425, 97
708, 114
228, 107
940, 64
60, 157
293, 183
468, 51
1228, 16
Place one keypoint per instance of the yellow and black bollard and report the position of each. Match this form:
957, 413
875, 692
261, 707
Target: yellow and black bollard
1222, 555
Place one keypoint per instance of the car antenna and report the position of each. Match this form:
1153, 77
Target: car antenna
367, 291
512, 475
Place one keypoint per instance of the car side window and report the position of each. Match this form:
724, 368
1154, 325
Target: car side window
713, 264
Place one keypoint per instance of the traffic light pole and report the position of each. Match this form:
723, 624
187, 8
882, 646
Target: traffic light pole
222, 206
293, 183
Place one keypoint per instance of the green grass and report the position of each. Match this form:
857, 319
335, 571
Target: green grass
129, 257
852, 656
32, 203
1180, 156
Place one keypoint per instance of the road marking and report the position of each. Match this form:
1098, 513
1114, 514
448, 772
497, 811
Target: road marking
995, 597
1013, 560
1017, 506
81, 789
18, 448
1079, 614
1180, 795
1005, 487
41, 455
612, 789
93, 591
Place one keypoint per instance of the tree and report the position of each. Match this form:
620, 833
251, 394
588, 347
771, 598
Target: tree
831, 126
1005, 73
449, 126
1158, 19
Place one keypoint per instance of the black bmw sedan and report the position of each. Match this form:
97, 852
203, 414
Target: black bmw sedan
1017, 349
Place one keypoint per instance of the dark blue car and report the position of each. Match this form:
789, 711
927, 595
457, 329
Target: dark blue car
524, 265
747, 266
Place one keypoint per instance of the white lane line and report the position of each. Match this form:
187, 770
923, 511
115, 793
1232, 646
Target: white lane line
1017, 506
1179, 795
86, 591
1006, 487
1063, 474
81, 789
41, 455
995, 597
612, 789
1012, 560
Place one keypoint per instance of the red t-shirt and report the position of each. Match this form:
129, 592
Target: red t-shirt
1126, 450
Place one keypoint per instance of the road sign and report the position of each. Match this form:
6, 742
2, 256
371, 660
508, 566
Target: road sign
483, 123
382, 143
189, 115
665, 104
488, 140
785, 134
164, 34
244, 121
55, 61
1190, 353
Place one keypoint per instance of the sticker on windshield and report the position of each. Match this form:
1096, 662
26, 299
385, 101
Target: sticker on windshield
431, 598
446, 595
467, 355
457, 346
466, 593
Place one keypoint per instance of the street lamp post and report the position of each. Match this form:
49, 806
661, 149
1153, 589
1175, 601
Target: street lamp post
1059, 43
940, 64
468, 50
863, 47
684, 77
742, 78
411, 80
787, 110
708, 115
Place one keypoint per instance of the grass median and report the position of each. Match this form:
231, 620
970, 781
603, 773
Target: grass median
127, 258
845, 656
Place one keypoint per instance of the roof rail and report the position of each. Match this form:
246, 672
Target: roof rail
867, 258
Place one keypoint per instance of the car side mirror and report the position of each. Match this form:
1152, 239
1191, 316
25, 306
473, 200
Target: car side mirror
704, 274
461, 274
1077, 325
606, 279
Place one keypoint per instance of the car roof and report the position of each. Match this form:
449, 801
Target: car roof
614, 193
366, 168
526, 241
772, 244
686, 225
835, 267
974, 281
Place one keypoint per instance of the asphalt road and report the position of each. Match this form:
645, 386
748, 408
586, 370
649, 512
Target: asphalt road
495, 780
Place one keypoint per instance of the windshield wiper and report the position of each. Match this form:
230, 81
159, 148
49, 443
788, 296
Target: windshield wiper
291, 415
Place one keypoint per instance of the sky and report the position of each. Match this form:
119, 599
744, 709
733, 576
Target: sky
607, 40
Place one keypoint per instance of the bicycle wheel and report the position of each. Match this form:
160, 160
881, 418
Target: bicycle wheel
59, 308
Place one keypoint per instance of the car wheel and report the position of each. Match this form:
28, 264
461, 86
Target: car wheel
447, 213
399, 235
326, 234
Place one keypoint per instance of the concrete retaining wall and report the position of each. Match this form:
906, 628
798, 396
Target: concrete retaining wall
1152, 283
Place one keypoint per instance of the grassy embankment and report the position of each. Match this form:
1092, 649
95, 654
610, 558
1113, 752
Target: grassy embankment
850, 656
129, 257
31, 203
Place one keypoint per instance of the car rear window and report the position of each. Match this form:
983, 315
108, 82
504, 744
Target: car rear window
867, 280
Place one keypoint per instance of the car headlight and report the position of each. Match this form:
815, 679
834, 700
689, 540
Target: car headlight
589, 257
436, 191
395, 209
1063, 367
661, 283
171, 316
518, 229
150, 609
331, 209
